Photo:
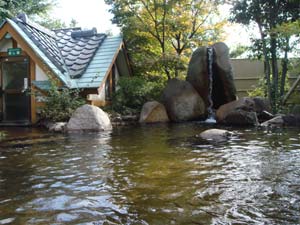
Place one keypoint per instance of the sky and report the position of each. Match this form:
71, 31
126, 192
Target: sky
94, 13
88, 14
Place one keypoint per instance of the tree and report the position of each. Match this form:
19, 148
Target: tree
161, 33
268, 15
10, 8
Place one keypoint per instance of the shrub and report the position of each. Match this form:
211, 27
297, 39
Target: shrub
133, 92
60, 103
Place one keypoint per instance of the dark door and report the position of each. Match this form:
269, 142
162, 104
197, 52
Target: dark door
15, 81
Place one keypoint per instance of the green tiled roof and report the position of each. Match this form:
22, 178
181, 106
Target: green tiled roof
100, 63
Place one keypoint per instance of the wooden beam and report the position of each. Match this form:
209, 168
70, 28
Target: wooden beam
14, 43
110, 68
3, 30
32, 96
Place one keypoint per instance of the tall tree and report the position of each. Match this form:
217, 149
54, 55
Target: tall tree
161, 33
268, 15
10, 8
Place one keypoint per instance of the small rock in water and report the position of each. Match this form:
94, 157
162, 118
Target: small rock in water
216, 135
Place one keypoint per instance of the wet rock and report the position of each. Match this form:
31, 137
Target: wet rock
239, 112
291, 120
263, 109
182, 101
283, 120
216, 135
261, 104
224, 90
197, 74
153, 112
296, 110
57, 126
276, 121
90, 118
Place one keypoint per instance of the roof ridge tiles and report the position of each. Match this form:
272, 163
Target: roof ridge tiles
23, 18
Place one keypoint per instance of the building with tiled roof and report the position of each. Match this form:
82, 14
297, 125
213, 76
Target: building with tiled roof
31, 56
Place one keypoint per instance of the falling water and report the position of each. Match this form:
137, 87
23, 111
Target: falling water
210, 55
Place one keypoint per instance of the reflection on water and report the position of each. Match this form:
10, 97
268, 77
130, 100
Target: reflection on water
159, 174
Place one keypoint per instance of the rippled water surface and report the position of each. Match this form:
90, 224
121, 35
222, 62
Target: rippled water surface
160, 174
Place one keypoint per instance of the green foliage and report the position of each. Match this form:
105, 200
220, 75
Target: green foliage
133, 92
238, 51
37, 10
268, 16
161, 34
259, 90
60, 104
2, 135
10, 8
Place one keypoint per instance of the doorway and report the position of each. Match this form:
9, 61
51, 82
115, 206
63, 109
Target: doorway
15, 101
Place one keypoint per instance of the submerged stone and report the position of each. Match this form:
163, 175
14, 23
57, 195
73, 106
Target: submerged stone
216, 135
89, 118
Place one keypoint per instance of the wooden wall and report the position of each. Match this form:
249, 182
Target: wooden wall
247, 74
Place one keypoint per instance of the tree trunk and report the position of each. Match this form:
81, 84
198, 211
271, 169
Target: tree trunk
284, 68
275, 77
267, 63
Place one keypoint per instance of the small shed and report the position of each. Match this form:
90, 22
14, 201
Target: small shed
31, 56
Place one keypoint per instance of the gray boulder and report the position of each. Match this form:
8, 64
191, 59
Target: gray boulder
224, 90
89, 118
239, 112
153, 112
197, 74
182, 101
216, 135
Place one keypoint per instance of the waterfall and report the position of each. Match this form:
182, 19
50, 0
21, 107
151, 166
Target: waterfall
210, 57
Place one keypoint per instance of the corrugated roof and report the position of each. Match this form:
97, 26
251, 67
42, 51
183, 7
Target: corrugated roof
79, 58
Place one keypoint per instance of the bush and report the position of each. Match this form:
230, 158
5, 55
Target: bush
60, 104
133, 92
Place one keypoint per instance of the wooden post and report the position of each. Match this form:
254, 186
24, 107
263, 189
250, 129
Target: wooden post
32, 95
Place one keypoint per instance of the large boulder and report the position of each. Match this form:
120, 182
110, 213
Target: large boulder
89, 118
223, 90
153, 112
182, 101
239, 112
197, 73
